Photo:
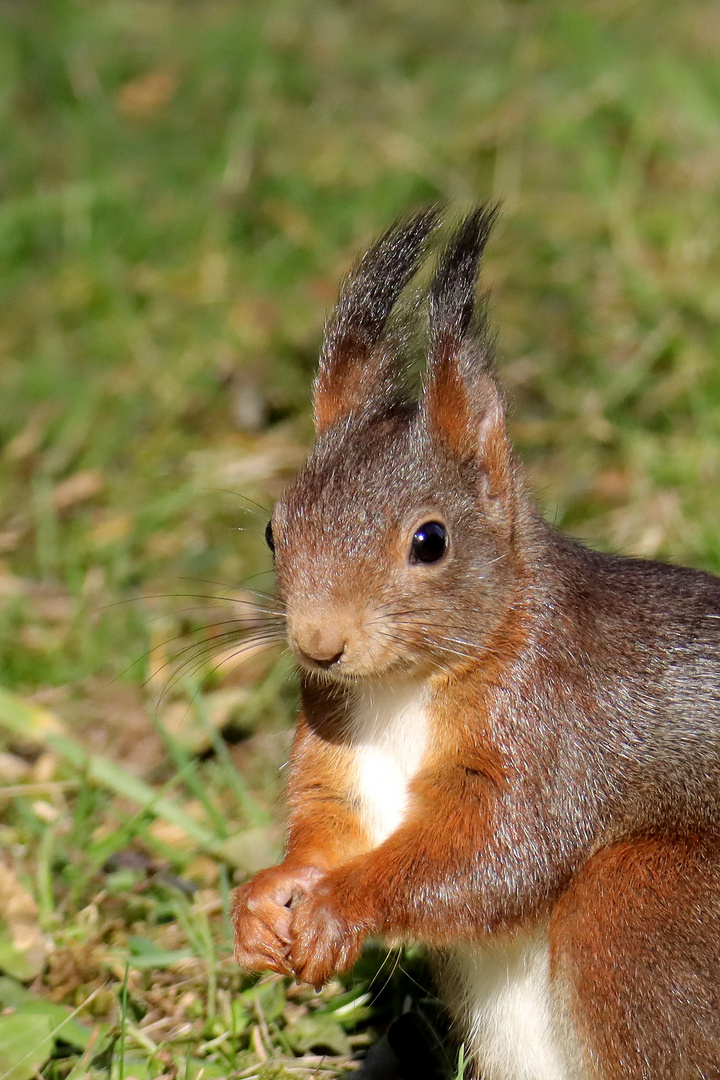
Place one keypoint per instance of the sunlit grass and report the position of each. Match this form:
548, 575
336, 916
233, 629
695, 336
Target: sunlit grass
183, 184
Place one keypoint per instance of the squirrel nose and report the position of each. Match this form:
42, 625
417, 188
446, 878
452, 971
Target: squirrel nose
324, 645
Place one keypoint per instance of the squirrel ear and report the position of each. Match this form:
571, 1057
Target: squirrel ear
356, 367
461, 400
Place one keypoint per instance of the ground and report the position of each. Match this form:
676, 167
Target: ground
183, 185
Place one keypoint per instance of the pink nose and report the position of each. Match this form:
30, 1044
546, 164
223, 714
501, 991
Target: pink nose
324, 645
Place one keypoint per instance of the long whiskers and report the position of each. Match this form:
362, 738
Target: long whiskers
211, 645
202, 596
197, 654
258, 625
413, 636
226, 585
266, 511
444, 645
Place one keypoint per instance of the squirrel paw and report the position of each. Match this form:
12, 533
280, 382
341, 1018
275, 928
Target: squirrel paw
325, 939
262, 913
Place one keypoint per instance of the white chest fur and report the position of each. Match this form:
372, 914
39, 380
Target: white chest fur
500, 993
502, 998
390, 737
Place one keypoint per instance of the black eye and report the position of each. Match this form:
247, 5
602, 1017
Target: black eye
429, 543
269, 537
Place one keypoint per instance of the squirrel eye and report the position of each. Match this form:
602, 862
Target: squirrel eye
269, 537
429, 543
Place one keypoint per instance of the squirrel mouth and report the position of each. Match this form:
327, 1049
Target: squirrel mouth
343, 646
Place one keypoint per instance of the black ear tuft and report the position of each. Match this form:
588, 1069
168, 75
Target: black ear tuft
461, 401
452, 293
372, 288
354, 369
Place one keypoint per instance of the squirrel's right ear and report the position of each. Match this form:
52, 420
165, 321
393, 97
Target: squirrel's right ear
356, 366
461, 401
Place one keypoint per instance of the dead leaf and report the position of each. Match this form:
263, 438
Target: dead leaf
140, 98
45, 768
45, 811
184, 723
78, 488
171, 835
22, 943
13, 534
9, 584
76, 970
13, 769
31, 437
254, 848
110, 527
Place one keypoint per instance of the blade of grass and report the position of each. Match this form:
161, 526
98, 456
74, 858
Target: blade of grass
27, 721
254, 813
187, 765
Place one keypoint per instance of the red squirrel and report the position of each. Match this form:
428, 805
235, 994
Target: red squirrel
508, 745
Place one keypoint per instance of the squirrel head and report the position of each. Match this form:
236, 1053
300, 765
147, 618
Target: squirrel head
395, 546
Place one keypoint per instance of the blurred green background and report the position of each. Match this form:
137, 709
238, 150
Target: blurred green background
182, 185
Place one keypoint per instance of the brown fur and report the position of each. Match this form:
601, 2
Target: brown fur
635, 937
567, 705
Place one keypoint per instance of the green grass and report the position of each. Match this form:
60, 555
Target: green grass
182, 186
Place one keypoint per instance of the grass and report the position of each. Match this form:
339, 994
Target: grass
183, 185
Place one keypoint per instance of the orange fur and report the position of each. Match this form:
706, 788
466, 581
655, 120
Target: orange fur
636, 939
543, 722
337, 394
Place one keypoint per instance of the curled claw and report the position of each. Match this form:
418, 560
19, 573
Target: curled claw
273, 912
257, 948
262, 913
324, 941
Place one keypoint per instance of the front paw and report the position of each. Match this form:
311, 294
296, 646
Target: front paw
327, 931
261, 915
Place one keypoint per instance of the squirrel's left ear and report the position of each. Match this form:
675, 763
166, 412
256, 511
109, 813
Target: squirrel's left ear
461, 401
357, 368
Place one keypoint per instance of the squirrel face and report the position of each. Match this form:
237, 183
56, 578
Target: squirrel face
404, 515
380, 540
